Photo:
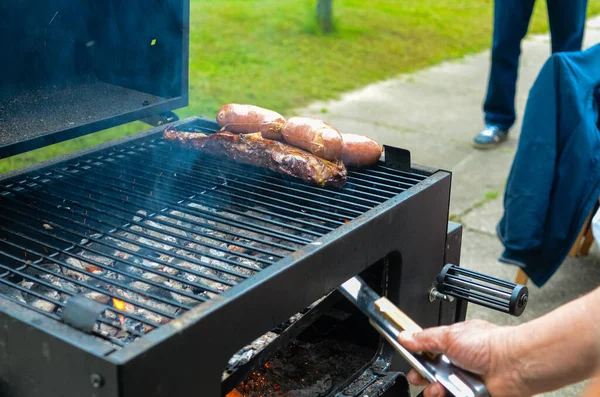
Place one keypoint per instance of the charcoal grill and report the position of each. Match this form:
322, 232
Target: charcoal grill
139, 268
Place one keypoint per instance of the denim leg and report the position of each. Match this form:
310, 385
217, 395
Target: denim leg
511, 21
567, 24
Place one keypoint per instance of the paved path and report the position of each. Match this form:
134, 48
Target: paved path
435, 113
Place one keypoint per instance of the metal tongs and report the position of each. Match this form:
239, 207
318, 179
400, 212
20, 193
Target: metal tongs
389, 321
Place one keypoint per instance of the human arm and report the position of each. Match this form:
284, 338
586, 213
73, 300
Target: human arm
538, 356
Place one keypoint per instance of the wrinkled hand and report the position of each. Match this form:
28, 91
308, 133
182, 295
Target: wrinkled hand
476, 346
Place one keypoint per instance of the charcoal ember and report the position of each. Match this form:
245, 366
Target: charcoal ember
142, 214
150, 243
12, 293
202, 285
178, 297
44, 305
151, 316
263, 341
202, 207
237, 248
246, 262
307, 369
41, 290
176, 221
150, 264
245, 354
157, 278
132, 324
169, 229
205, 271
320, 388
62, 284
152, 303
157, 236
97, 296
123, 244
104, 260
172, 271
106, 330
139, 285
240, 359
76, 274
122, 255
47, 266
123, 279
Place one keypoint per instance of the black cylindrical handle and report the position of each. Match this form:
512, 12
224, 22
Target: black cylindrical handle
483, 290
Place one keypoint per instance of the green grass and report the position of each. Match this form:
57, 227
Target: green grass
269, 53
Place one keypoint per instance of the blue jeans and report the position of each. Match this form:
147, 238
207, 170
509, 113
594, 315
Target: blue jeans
511, 21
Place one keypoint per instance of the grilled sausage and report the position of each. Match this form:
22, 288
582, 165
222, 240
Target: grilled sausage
246, 119
255, 150
360, 151
313, 135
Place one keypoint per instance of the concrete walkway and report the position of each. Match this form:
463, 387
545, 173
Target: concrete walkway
435, 113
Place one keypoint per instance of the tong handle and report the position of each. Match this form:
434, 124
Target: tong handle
397, 317
435, 368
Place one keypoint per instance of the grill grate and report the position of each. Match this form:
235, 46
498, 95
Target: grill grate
150, 230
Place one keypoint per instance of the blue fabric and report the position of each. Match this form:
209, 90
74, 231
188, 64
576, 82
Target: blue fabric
554, 181
511, 21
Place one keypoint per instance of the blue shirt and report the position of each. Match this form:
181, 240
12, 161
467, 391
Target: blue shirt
554, 181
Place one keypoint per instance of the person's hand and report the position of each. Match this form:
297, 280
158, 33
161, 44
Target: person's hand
476, 346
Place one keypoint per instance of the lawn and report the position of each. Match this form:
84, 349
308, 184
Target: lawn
267, 52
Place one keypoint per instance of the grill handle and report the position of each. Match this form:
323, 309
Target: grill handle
480, 289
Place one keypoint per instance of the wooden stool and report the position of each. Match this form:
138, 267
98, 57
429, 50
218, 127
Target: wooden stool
521, 277
584, 240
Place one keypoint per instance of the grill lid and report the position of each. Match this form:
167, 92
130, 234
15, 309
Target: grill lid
74, 68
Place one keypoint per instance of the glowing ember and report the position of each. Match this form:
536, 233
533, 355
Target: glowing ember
305, 369
118, 304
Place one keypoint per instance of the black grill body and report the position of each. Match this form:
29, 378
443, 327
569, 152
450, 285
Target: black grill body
136, 268
393, 215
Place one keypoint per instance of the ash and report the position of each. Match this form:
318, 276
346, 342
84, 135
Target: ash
157, 267
306, 369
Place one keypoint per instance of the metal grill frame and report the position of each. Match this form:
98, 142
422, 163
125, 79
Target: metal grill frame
190, 352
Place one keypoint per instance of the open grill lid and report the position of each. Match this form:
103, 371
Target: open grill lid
74, 68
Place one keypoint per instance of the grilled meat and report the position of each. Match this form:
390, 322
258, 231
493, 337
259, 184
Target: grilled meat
255, 150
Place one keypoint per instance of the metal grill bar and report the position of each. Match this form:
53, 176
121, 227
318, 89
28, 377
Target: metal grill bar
154, 230
117, 226
193, 210
323, 199
61, 304
84, 285
177, 183
123, 239
359, 184
341, 197
88, 207
119, 248
68, 252
296, 208
162, 210
97, 277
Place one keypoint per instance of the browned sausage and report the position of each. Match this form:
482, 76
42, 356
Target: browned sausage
313, 135
247, 119
360, 150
